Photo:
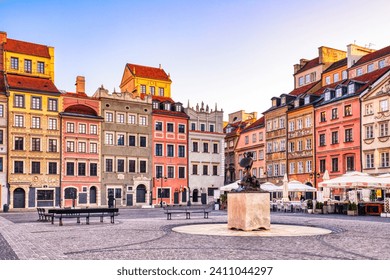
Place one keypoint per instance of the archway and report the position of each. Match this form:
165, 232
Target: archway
92, 195
141, 194
19, 198
70, 197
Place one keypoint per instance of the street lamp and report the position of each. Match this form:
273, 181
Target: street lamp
161, 187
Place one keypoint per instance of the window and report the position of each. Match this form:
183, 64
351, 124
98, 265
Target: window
385, 159
52, 105
348, 135
82, 128
45, 195
109, 117
41, 67
205, 170
181, 152
159, 171
351, 88
120, 118
291, 147
359, 72
35, 144
323, 117
142, 166
82, 147
14, 63
19, 121
300, 123
308, 144
300, 167
205, 147
143, 120
193, 126
202, 127
19, 101
269, 147
384, 129
370, 67
292, 167
35, 167
93, 148
169, 127
142, 141
182, 128
195, 147
131, 119
369, 109
307, 78
70, 127
381, 63
93, 129
70, 146
161, 91
36, 103
52, 168
322, 165
369, 131
81, 169
70, 168
109, 139
350, 163
336, 77
182, 172
170, 150
335, 137
1, 111
308, 121
1, 137
300, 145
348, 110
215, 148
52, 124
156, 105
19, 143
327, 95
322, 140
261, 154
167, 106
344, 74
120, 166
339, 92
383, 105
334, 113
369, 160
171, 172
27, 66
36, 122
53, 145
109, 165
93, 169
18, 167
159, 150
327, 80
335, 164
158, 126
276, 170
143, 88
194, 169
132, 166
291, 126
269, 170
212, 128
120, 140
152, 90
300, 81
132, 141
246, 140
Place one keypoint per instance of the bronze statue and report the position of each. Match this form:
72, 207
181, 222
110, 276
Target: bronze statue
248, 181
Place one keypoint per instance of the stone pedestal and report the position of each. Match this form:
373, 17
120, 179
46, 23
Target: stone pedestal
249, 211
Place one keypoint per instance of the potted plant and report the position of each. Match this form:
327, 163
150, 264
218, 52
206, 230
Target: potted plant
309, 206
319, 207
352, 209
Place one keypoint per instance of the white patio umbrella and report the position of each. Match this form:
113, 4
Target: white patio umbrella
285, 188
270, 187
296, 186
230, 187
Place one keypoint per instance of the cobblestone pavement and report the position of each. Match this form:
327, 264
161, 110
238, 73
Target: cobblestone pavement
141, 234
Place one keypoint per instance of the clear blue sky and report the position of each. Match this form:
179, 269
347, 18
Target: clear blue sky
237, 54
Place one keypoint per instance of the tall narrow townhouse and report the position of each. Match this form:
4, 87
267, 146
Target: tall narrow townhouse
252, 139
81, 148
147, 80
4, 194
33, 104
237, 121
338, 125
126, 143
170, 153
206, 154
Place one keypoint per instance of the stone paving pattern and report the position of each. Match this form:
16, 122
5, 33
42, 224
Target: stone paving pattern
142, 234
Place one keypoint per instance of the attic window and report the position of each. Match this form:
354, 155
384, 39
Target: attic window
351, 88
307, 100
283, 100
167, 106
296, 103
155, 105
178, 108
339, 92
327, 95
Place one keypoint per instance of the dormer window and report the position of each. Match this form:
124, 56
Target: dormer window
296, 103
274, 103
167, 106
307, 100
351, 88
178, 108
359, 72
283, 100
339, 92
156, 105
327, 95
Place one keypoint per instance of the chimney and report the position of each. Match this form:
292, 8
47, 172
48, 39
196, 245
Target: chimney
3, 37
355, 52
80, 84
159, 66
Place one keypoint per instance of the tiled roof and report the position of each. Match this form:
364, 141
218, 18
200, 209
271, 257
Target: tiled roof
22, 47
304, 89
170, 113
148, 72
237, 127
310, 64
257, 124
335, 65
31, 83
372, 56
370, 78
76, 95
332, 86
161, 98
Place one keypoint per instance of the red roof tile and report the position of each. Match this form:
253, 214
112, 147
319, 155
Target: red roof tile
304, 89
372, 56
162, 99
370, 78
148, 72
310, 64
22, 47
31, 83
76, 95
335, 65
256, 124
170, 113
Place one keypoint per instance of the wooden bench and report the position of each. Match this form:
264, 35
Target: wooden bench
43, 216
86, 213
169, 210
